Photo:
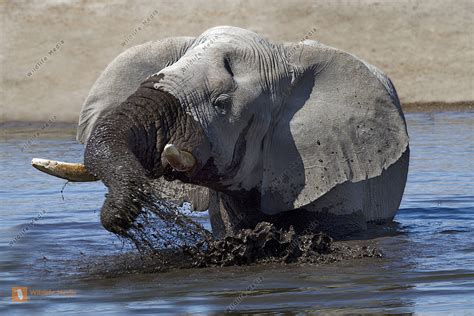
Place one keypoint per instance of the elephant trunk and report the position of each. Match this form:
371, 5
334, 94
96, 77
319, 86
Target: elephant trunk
146, 137
125, 151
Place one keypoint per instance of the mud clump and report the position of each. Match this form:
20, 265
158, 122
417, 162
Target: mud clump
264, 243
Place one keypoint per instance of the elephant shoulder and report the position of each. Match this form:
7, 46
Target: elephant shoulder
123, 76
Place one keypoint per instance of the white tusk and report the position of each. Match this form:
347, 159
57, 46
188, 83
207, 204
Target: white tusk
180, 160
75, 172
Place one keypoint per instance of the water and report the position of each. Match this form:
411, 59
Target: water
428, 265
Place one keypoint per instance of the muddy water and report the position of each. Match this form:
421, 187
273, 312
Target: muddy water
54, 242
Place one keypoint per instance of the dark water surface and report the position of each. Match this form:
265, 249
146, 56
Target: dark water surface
46, 241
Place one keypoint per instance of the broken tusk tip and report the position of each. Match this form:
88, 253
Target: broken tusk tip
39, 162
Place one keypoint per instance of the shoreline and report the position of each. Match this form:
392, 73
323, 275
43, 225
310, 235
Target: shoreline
437, 106
424, 47
408, 107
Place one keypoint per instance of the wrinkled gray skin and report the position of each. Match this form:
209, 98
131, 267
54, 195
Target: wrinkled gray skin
297, 134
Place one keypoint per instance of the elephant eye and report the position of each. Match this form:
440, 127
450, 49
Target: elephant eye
222, 103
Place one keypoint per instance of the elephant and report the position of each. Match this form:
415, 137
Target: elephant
295, 134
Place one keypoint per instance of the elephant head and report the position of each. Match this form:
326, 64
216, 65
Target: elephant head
280, 124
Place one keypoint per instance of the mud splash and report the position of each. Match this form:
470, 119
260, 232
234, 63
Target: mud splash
264, 243
162, 225
261, 245
167, 239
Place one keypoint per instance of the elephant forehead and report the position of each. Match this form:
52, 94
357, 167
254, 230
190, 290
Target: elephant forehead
225, 34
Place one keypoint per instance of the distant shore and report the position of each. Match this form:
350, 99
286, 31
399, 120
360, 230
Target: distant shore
436, 106
424, 46
407, 107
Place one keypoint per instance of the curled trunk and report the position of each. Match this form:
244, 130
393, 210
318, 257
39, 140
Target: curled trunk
124, 151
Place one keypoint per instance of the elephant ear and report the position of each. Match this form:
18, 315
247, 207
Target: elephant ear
123, 76
341, 121
118, 81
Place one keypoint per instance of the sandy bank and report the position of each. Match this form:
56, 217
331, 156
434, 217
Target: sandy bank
51, 52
